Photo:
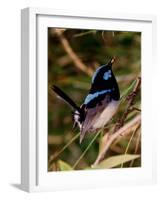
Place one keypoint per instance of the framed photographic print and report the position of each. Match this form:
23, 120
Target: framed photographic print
86, 99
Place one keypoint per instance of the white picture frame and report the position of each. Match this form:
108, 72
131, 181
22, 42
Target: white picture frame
34, 173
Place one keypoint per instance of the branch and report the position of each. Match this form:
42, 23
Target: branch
121, 132
78, 63
130, 98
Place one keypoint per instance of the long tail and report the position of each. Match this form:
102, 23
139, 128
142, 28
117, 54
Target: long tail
65, 97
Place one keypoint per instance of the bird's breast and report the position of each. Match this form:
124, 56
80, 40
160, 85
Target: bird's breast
106, 114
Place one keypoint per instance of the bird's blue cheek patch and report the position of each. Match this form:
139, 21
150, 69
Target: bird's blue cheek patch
90, 97
107, 75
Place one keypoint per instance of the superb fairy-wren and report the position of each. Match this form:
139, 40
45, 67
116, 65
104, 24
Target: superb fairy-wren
100, 104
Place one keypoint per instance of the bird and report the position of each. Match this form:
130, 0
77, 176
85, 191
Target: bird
100, 104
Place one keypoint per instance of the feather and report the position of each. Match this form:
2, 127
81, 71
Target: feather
65, 97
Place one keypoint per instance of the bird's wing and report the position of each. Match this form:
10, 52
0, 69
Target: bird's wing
92, 114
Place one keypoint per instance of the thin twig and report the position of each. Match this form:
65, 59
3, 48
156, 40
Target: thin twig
121, 132
85, 33
78, 63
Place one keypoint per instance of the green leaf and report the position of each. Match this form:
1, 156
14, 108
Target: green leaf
115, 161
63, 166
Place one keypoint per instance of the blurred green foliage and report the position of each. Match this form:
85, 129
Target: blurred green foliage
94, 48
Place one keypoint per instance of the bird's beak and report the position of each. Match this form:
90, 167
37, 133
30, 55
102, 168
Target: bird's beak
112, 60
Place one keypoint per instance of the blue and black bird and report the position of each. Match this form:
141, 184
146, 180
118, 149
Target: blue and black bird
100, 104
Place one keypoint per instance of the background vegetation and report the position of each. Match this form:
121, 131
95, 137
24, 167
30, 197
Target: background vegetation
73, 56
